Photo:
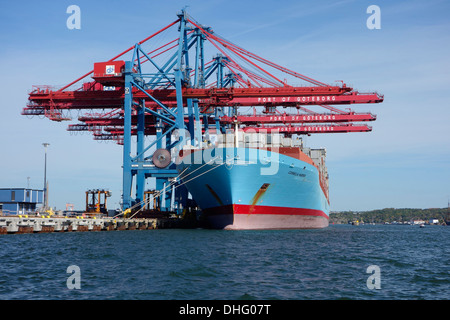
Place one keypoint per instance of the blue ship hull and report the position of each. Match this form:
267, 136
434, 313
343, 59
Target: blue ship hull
246, 188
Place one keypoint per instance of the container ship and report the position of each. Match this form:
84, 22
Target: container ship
258, 181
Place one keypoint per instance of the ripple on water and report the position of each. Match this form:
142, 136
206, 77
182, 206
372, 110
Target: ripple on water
208, 264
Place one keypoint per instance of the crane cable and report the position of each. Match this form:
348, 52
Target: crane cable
144, 202
172, 183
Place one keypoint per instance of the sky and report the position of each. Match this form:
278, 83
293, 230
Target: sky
403, 163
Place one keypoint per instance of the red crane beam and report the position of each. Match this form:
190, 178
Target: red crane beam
121, 54
286, 96
300, 118
311, 129
250, 119
240, 51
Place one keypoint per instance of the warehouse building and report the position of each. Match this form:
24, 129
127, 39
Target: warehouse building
15, 201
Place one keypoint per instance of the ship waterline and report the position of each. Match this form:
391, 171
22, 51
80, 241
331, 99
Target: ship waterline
238, 217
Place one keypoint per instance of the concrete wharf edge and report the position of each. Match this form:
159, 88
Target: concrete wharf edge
17, 224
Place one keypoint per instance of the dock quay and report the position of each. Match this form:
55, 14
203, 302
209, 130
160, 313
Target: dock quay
36, 224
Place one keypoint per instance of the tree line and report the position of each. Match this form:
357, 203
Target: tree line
390, 215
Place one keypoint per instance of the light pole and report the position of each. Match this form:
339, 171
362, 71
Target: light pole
45, 177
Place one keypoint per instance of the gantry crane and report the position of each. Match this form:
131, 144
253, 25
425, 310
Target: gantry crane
186, 95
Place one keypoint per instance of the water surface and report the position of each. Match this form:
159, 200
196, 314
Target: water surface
199, 264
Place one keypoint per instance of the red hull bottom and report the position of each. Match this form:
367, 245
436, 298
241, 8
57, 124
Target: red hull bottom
244, 217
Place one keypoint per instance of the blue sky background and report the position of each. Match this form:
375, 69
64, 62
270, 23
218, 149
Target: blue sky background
403, 162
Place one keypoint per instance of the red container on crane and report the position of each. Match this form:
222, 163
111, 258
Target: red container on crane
109, 69
109, 73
